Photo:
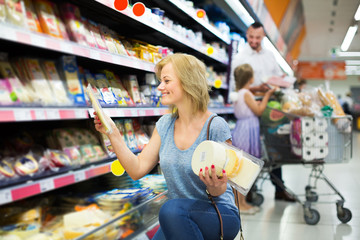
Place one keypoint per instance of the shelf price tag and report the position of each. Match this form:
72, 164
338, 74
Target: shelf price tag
47, 185
134, 112
52, 114
79, 176
157, 112
40, 114
142, 112
22, 114
80, 113
5, 196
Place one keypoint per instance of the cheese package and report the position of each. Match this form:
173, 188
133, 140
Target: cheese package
38, 81
57, 85
15, 12
241, 168
106, 91
98, 109
32, 20
71, 75
116, 87
21, 91
2, 11
132, 87
47, 17
76, 27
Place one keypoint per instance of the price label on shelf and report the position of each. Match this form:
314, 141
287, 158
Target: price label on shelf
142, 112
22, 114
134, 113
52, 114
79, 176
40, 114
157, 112
46, 185
5, 196
80, 113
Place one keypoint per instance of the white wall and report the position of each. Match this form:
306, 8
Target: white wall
337, 86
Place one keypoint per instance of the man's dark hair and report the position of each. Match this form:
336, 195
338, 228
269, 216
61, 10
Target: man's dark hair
256, 25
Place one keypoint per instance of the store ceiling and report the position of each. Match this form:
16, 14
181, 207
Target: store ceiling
327, 22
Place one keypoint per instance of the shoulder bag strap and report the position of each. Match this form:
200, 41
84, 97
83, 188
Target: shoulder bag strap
236, 193
209, 195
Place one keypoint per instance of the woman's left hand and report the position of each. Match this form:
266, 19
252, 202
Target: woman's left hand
215, 185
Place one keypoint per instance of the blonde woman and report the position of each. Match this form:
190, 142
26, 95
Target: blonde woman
188, 214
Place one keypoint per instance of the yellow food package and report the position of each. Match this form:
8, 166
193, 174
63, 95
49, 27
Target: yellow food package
98, 109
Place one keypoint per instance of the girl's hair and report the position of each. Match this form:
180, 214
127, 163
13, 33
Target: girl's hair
243, 74
192, 75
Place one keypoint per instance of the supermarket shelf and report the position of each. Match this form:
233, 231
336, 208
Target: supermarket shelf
35, 187
24, 36
166, 32
191, 13
21, 114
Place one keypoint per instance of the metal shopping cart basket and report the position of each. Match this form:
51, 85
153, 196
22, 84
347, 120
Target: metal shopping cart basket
312, 142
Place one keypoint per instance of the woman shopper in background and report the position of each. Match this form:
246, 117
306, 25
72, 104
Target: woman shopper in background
188, 214
246, 135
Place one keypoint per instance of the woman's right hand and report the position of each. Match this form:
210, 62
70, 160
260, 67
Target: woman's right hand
99, 126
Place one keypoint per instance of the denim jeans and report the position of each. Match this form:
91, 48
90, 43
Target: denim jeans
193, 219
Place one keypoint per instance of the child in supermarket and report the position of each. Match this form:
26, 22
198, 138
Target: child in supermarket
188, 214
246, 134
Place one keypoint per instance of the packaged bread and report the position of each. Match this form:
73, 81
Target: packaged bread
241, 168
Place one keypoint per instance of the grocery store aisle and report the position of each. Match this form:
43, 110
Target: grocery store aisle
279, 220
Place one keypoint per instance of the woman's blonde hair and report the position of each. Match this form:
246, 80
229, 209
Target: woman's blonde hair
192, 75
243, 74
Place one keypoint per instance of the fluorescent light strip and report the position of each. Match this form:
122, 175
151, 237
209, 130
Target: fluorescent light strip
357, 14
352, 70
348, 54
352, 62
281, 61
242, 13
348, 37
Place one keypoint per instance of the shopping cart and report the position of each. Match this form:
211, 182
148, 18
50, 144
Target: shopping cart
310, 142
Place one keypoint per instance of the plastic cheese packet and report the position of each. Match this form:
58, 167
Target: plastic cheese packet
98, 109
241, 168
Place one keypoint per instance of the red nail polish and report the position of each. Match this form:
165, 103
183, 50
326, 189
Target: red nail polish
200, 169
223, 170
206, 168
212, 166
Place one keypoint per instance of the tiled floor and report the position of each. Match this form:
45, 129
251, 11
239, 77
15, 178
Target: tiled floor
280, 220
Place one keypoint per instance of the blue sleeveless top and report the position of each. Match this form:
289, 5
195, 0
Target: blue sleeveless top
175, 164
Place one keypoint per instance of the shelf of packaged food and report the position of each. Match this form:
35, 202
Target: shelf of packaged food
150, 219
192, 13
35, 187
24, 36
166, 32
21, 114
